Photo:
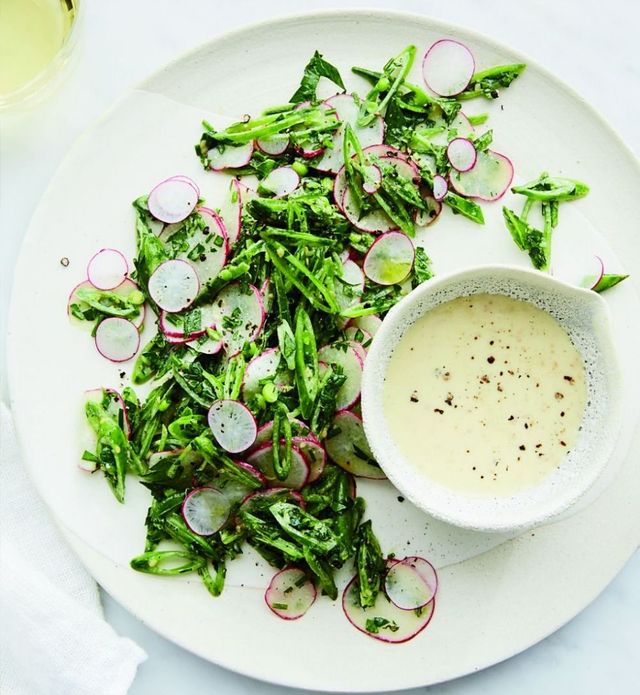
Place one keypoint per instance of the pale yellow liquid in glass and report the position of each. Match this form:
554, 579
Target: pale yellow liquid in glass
32, 32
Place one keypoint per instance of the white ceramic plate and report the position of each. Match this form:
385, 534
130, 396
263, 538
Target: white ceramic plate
498, 596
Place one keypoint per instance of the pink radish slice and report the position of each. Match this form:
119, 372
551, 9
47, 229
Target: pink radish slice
488, 180
389, 259
383, 151
347, 442
124, 289
298, 429
262, 459
425, 570
370, 323
448, 67
231, 211
281, 181
591, 281
205, 345
174, 285
347, 111
174, 340
315, 455
440, 187
399, 626
350, 285
230, 157
205, 510
290, 594
239, 302
372, 222
358, 336
115, 408
275, 145
461, 154
372, 179
252, 470
424, 218
117, 339
262, 498
360, 350
172, 324
107, 269
348, 359
187, 179
261, 368
173, 200
462, 125
233, 425
406, 587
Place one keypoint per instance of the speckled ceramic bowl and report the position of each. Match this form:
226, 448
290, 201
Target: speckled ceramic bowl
585, 317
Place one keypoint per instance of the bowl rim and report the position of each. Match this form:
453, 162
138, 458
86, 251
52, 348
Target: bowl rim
372, 399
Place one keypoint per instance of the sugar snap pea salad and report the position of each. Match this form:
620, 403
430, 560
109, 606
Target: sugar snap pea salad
265, 304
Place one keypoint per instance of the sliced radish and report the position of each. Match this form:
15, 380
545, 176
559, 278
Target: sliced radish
261, 500
372, 179
230, 157
290, 594
240, 316
124, 289
107, 269
406, 588
262, 459
440, 187
390, 623
347, 110
172, 325
448, 67
231, 211
205, 510
350, 285
261, 368
389, 259
298, 429
275, 145
187, 179
374, 221
205, 345
252, 470
173, 200
370, 323
117, 339
489, 179
315, 455
384, 151
358, 336
347, 446
344, 356
591, 281
281, 181
233, 425
461, 154
462, 126
426, 217
174, 285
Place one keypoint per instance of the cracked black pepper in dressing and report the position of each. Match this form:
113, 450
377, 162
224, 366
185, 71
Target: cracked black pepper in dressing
485, 395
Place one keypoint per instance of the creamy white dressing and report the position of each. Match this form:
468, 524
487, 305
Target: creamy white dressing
485, 395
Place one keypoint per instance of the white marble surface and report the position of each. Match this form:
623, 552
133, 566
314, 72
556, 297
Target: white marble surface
591, 46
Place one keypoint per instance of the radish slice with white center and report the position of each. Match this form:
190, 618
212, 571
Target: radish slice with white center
172, 325
448, 67
182, 177
350, 285
372, 179
461, 154
348, 111
117, 339
240, 316
231, 211
489, 179
384, 621
314, 454
375, 221
205, 510
358, 336
424, 218
290, 594
440, 187
389, 259
275, 145
347, 446
174, 285
462, 126
344, 356
107, 269
281, 181
230, 157
298, 429
233, 425
407, 588
423, 567
370, 323
262, 459
205, 345
591, 281
261, 368
385, 151
124, 289
173, 200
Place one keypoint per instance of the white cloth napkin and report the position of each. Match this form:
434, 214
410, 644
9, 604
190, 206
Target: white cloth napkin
53, 637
